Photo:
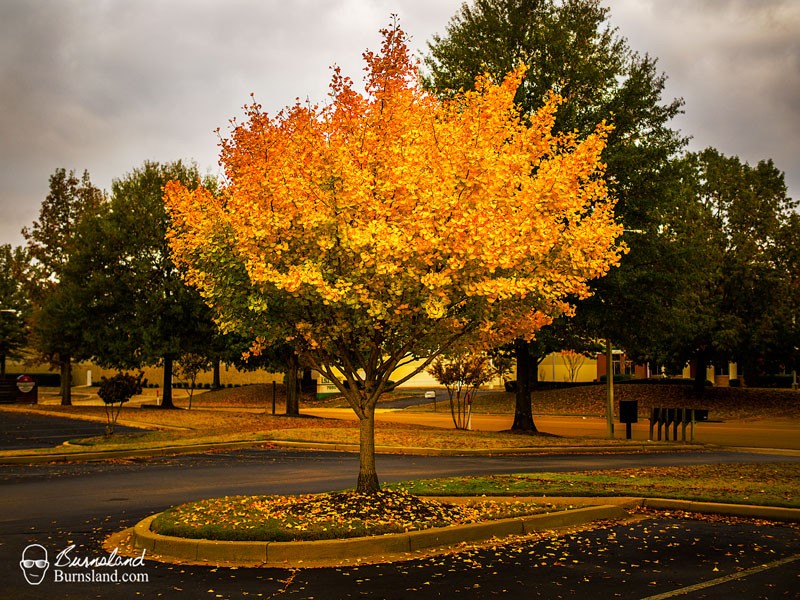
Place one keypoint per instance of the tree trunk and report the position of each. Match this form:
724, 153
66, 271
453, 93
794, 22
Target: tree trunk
2, 366
523, 411
66, 380
166, 398
749, 372
216, 380
292, 386
367, 475
701, 361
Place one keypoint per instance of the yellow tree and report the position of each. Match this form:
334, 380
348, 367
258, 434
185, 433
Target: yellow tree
381, 228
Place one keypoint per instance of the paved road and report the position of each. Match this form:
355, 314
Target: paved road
153, 484
60, 505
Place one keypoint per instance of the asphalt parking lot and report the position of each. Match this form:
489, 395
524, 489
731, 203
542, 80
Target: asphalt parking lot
653, 556
20, 431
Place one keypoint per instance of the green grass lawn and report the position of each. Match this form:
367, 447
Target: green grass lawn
772, 484
205, 426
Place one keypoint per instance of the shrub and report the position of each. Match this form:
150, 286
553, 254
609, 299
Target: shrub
774, 381
118, 390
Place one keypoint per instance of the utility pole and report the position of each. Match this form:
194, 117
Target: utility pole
609, 390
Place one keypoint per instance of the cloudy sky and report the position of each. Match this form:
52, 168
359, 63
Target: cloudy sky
104, 85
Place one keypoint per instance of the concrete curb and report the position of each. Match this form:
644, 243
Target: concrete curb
143, 453
23, 458
772, 513
636, 447
281, 553
299, 553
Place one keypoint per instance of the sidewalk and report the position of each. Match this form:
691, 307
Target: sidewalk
784, 435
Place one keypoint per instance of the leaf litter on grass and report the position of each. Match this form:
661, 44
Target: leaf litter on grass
326, 516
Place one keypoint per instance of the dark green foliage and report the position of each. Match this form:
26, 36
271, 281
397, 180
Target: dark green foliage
120, 388
52, 239
142, 312
618, 378
52, 243
14, 304
742, 305
775, 381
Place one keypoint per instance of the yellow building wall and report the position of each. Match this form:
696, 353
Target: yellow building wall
556, 368
715, 378
86, 374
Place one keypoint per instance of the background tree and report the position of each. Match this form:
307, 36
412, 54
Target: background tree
502, 364
143, 313
571, 49
745, 221
573, 361
14, 304
785, 355
364, 232
276, 358
528, 355
189, 366
51, 242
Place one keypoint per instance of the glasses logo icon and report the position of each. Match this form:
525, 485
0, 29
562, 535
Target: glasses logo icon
34, 563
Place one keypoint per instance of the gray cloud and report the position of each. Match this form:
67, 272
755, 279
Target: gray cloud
104, 86
736, 63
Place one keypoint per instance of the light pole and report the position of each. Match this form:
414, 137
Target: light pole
609, 389
794, 370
